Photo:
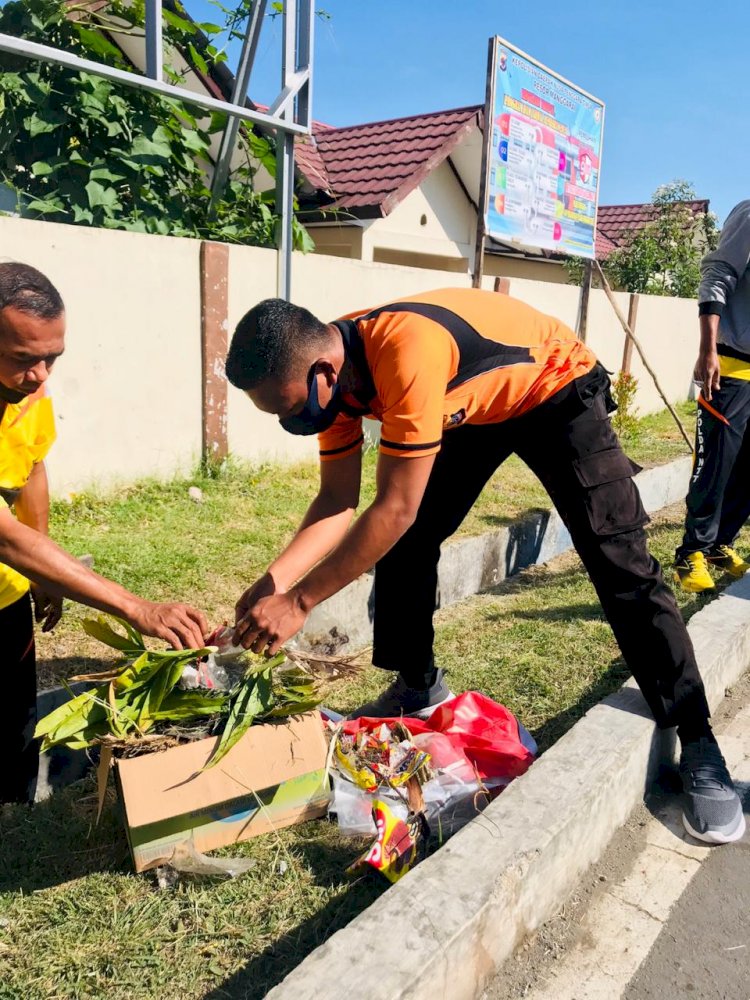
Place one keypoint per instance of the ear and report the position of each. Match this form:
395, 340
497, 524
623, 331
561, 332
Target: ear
326, 368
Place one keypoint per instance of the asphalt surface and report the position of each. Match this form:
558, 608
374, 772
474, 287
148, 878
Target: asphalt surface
703, 951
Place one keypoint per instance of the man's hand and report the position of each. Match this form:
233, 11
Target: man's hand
180, 625
264, 587
48, 608
270, 622
707, 372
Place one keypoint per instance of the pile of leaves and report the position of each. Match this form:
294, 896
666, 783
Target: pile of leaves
140, 698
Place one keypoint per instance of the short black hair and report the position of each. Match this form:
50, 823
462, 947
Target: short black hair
269, 342
25, 288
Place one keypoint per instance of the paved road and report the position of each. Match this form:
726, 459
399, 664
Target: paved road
660, 917
703, 950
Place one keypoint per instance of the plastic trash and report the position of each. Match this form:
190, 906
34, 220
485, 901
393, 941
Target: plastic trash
186, 860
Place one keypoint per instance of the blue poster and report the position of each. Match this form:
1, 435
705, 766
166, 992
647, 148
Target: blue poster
544, 157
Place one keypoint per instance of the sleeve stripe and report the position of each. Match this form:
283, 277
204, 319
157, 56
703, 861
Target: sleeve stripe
409, 447
346, 447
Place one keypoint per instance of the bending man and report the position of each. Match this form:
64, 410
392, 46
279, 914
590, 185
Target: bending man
460, 379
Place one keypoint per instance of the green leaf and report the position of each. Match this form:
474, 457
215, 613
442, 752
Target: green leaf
82, 215
37, 125
254, 697
180, 23
99, 45
193, 141
197, 59
183, 705
44, 207
99, 629
101, 196
40, 168
105, 174
145, 150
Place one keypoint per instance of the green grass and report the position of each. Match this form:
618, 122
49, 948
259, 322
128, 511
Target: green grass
155, 540
75, 923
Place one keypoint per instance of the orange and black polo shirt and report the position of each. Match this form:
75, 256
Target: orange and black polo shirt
441, 359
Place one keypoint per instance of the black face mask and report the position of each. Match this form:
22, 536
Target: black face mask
314, 418
11, 395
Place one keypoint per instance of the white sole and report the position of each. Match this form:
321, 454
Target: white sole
717, 838
425, 713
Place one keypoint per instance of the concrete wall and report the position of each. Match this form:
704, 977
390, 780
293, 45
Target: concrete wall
128, 390
435, 220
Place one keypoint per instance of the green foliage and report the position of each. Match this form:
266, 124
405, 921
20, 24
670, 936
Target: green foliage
663, 257
80, 149
625, 419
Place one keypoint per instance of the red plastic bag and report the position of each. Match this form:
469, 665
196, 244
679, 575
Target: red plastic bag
486, 732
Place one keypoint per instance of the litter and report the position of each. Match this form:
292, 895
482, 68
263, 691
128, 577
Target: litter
406, 780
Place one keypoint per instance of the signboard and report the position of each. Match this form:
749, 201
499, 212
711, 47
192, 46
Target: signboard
543, 156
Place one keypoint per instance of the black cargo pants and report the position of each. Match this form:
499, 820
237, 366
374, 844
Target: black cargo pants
569, 443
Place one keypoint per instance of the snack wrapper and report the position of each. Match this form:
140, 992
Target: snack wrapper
399, 844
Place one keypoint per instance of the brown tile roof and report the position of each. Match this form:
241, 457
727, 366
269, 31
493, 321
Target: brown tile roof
616, 222
370, 168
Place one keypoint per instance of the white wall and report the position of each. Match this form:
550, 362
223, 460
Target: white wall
128, 390
449, 226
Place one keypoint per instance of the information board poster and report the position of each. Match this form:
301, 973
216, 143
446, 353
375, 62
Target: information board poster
544, 157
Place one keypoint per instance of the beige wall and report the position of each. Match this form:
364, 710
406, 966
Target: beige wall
436, 220
128, 390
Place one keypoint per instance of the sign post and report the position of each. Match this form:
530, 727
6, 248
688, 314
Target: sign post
541, 158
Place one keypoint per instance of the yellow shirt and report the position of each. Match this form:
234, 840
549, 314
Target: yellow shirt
27, 430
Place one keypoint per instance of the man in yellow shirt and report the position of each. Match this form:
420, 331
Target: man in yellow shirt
32, 334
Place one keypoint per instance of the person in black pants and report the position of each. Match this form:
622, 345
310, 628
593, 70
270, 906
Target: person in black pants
20, 753
459, 380
718, 500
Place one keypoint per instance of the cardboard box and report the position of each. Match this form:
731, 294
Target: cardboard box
273, 777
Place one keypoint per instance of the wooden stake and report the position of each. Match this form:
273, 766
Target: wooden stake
627, 350
583, 318
629, 333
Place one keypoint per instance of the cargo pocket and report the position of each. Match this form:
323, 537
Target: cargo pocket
612, 500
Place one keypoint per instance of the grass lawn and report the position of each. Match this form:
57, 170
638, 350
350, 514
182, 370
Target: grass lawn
155, 540
76, 924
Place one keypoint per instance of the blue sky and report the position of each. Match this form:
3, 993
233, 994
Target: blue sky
674, 75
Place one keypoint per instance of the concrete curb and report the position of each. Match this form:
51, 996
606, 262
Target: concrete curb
444, 930
470, 566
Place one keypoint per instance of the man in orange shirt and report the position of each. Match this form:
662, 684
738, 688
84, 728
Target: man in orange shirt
460, 379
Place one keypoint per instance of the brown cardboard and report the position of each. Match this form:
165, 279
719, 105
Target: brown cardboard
272, 778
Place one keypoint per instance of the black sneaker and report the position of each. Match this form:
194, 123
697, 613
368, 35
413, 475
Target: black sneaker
400, 699
712, 810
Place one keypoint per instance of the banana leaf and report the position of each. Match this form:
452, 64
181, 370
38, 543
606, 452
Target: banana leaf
180, 706
253, 697
99, 628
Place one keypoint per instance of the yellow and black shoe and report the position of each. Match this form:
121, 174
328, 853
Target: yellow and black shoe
725, 558
691, 573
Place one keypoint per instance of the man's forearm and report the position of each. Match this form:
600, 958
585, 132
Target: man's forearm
709, 327
374, 534
32, 505
33, 554
322, 529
